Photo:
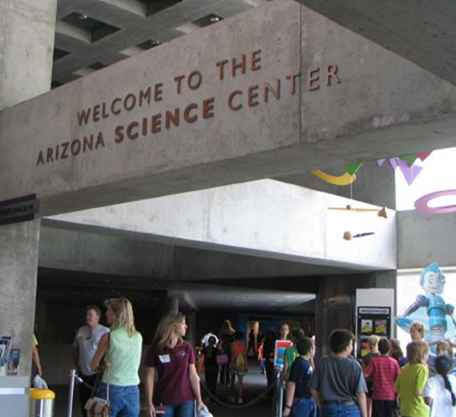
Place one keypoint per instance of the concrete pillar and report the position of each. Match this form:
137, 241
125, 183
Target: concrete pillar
27, 29
18, 271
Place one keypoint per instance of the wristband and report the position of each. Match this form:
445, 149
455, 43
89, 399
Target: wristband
288, 406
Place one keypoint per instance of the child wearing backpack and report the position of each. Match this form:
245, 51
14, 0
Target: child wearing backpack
239, 364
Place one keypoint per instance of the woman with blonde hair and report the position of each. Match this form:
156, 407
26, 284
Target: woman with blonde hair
121, 350
173, 361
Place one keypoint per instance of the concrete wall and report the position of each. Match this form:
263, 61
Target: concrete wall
267, 218
424, 239
381, 97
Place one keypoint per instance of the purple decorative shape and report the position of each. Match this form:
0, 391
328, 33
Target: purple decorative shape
422, 204
409, 172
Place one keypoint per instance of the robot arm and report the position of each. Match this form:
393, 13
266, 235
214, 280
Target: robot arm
421, 301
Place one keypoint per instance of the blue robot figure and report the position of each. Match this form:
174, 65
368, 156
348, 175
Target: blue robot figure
439, 315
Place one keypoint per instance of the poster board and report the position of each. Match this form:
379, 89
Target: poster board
279, 352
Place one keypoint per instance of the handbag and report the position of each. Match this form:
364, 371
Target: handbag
98, 407
222, 359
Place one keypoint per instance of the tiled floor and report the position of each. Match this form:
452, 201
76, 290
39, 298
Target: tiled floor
255, 384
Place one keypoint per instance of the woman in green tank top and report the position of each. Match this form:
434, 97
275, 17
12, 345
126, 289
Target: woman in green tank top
121, 350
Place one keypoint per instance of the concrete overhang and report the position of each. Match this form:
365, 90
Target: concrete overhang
264, 218
353, 101
420, 31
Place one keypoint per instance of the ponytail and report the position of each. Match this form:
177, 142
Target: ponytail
443, 365
449, 388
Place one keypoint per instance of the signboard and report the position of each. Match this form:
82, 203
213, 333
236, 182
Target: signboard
18, 210
372, 321
279, 352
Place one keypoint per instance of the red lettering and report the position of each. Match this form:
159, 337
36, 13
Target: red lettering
292, 83
156, 123
65, 153
113, 106
314, 79
187, 116
178, 81
172, 118
40, 160
332, 73
253, 96
195, 80
96, 113
119, 134
49, 155
132, 133
83, 116
242, 66
208, 108
158, 92
231, 98
256, 60
221, 66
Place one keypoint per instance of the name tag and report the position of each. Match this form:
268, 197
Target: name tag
164, 358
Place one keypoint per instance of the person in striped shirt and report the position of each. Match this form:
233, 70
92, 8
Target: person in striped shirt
383, 371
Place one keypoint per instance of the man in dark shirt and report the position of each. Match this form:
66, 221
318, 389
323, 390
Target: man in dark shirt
299, 398
338, 383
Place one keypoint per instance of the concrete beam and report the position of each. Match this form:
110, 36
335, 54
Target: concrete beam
382, 106
145, 260
420, 31
262, 218
423, 239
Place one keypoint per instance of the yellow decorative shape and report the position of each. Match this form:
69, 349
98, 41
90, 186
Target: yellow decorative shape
341, 180
41, 394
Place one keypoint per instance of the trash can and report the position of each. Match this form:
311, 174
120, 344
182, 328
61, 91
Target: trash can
41, 402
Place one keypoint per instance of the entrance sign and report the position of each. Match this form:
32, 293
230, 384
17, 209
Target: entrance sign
18, 210
274, 91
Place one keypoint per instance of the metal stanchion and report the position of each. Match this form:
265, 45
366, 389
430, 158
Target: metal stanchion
278, 401
71, 392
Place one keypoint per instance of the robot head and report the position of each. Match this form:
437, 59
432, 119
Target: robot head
432, 280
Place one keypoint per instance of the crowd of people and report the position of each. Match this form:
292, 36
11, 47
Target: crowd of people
381, 382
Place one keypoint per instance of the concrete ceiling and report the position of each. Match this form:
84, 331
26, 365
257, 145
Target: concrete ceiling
92, 34
421, 31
